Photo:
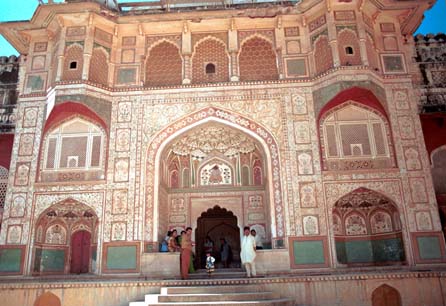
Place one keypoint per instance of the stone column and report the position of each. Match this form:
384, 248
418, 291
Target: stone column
233, 51
362, 39
332, 37
280, 46
186, 50
60, 55
88, 48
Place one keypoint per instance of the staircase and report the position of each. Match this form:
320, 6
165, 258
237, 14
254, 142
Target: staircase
214, 295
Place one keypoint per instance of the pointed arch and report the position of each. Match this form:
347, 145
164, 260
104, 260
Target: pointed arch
73, 63
386, 295
164, 64
257, 59
213, 51
349, 50
74, 137
211, 114
355, 132
366, 232
47, 299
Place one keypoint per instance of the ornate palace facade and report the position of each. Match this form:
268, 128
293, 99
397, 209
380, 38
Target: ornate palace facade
299, 119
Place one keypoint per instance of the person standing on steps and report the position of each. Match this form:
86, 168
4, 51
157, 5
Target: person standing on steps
186, 252
248, 252
259, 244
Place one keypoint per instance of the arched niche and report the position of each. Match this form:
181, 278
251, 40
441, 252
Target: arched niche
367, 229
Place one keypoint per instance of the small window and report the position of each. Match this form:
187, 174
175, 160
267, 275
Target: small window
349, 50
210, 68
73, 65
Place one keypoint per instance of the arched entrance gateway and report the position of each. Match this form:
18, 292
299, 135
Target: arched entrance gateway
213, 164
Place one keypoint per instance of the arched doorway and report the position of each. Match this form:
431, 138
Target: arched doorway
385, 295
66, 239
217, 223
47, 299
80, 252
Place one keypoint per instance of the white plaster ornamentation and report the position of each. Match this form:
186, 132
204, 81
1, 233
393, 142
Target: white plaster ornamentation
255, 202
308, 195
401, 99
18, 203
121, 170
26, 144
119, 231
407, 128
423, 220
302, 132
94, 200
14, 235
310, 225
124, 111
22, 174
122, 140
412, 159
30, 117
418, 190
299, 104
305, 163
120, 200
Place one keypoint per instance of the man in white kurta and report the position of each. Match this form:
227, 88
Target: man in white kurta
248, 252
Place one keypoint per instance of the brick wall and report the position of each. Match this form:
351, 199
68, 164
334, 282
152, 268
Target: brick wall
347, 38
257, 61
73, 53
213, 52
99, 67
164, 65
372, 55
322, 55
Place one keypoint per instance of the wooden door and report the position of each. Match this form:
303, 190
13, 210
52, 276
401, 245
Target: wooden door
80, 252
386, 296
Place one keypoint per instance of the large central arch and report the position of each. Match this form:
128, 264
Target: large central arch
190, 121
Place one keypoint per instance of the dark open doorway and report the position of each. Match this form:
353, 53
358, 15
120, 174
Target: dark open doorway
217, 223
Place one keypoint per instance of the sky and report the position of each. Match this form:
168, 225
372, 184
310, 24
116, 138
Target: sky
434, 20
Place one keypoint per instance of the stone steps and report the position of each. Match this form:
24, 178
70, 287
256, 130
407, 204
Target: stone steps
214, 295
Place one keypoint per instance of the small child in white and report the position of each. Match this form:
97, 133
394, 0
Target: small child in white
210, 264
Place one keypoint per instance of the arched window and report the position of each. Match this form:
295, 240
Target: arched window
355, 133
76, 144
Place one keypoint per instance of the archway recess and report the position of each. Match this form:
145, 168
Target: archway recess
266, 146
54, 232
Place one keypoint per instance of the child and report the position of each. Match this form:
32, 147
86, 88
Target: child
210, 263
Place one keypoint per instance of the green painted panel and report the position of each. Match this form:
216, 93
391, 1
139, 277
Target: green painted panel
370, 251
388, 250
359, 251
121, 257
10, 260
52, 260
429, 247
308, 252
